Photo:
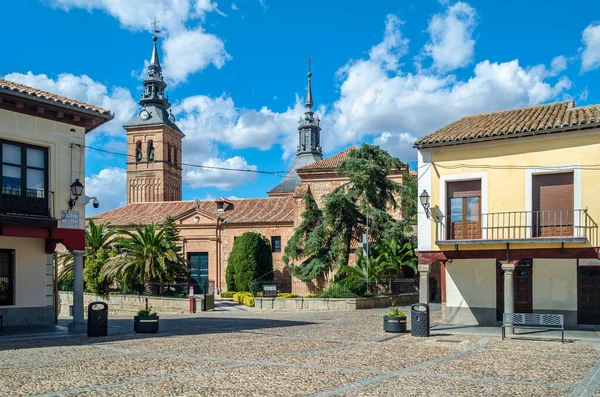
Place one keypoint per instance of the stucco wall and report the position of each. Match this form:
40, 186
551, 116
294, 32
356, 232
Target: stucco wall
573, 148
555, 286
57, 137
471, 291
33, 271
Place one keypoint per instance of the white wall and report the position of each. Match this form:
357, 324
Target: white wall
554, 284
471, 283
33, 287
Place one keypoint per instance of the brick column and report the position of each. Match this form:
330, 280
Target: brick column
78, 324
424, 283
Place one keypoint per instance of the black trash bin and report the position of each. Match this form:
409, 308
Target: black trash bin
419, 318
97, 319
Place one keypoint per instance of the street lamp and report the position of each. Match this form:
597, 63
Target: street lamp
424, 197
76, 192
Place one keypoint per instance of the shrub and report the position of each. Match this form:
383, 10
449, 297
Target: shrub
287, 295
250, 259
95, 281
337, 291
245, 298
227, 294
310, 296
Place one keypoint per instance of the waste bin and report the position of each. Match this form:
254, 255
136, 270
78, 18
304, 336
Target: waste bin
97, 319
419, 318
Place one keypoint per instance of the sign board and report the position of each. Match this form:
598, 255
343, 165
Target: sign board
69, 219
191, 290
269, 290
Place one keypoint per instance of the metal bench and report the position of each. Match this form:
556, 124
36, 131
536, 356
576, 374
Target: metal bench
534, 320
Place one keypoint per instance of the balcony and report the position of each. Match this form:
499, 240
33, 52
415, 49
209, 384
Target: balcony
33, 203
575, 226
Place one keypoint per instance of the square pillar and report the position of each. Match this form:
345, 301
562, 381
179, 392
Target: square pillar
424, 283
78, 325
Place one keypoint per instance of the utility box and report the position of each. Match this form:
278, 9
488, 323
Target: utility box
97, 319
419, 318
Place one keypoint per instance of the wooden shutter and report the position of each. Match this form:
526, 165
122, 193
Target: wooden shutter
553, 198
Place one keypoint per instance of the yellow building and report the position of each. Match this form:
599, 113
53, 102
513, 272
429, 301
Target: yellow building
42, 138
513, 201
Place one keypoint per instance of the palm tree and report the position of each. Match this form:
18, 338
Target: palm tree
96, 237
145, 254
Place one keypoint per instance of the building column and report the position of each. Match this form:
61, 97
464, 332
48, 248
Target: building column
509, 287
78, 324
424, 283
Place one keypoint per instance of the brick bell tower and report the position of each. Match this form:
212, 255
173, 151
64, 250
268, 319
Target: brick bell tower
154, 171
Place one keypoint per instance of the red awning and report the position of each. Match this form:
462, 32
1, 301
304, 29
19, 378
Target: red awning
73, 239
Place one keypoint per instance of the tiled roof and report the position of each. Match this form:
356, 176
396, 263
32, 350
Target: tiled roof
259, 210
514, 123
21, 89
330, 163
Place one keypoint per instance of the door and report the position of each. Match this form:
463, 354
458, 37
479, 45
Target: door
464, 205
588, 295
553, 205
523, 286
198, 271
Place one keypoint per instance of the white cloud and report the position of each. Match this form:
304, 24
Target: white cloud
234, 7
82, 88
395, 104
590, 58
558, 64
398, 144
190, 51
109, 187
188, 48
220, 178
451, 44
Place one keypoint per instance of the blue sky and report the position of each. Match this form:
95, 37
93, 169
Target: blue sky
385, 72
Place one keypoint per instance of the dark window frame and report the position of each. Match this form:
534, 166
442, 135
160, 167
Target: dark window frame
7, 278
24, 191
275, 240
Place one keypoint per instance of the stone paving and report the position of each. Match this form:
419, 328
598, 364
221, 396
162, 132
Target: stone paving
295, 354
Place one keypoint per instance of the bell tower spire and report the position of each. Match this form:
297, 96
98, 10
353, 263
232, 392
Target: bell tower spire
309, 130
154, 92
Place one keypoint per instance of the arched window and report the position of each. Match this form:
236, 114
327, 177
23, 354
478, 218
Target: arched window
168, 152
138, 151
175, 155
150, 151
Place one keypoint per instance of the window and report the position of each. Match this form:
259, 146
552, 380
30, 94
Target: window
138, 151
220, 207
24, 176
175, 155
553, 205
276, 243
168, 152
464, 204
150, 151
7, 282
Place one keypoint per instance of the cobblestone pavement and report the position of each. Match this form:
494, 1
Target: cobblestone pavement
295, 354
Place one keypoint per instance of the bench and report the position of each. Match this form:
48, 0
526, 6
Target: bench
534, 320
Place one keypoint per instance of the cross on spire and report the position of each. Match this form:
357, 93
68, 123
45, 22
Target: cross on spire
155, 26
309, 60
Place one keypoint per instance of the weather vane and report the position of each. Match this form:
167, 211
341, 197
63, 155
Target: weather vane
155, 26
309, 61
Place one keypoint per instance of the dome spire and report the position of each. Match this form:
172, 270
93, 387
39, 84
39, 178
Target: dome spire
309, 130
154, 92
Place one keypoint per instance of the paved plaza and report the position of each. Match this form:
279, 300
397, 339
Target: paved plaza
239, 353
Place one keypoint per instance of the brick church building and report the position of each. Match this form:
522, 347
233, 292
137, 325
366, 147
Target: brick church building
208, 228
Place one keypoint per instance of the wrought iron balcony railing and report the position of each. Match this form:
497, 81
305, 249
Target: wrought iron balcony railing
14, 200
519, 226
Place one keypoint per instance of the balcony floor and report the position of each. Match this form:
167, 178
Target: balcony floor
515, 240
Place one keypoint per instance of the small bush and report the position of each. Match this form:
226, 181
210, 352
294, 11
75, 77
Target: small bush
310, 296
338, 291
245, 298
287, 295
227, 294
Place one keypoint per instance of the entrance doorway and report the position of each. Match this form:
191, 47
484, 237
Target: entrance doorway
198, 271
523, 291
588, 295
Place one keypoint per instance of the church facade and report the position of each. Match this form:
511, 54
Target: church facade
208, 228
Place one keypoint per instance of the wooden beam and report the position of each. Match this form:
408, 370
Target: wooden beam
76, 118
60, 114
40, 110
19, 105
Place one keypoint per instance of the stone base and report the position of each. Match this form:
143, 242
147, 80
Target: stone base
27, 315
78, 328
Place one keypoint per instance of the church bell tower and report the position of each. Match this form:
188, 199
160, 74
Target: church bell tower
154, 171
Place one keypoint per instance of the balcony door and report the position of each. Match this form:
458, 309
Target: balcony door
552, 205
464, 210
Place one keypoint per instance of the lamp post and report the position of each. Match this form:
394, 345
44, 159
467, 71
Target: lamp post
424, 197
76, 192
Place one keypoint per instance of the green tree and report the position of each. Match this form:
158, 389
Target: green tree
322, 243
145, 255
98, 247
250, 259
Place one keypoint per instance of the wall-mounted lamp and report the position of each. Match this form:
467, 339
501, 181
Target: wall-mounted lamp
424, 197
76, 191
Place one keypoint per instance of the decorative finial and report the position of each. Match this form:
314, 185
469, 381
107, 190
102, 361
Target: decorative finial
155, 28
309, 100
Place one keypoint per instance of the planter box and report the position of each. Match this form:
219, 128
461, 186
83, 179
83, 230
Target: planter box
394, 324
145, 324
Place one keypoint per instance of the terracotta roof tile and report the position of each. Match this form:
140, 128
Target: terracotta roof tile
329, 163
259, 210
59, 100
513, 123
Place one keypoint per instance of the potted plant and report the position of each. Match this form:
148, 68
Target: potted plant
145, 322
395, 320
